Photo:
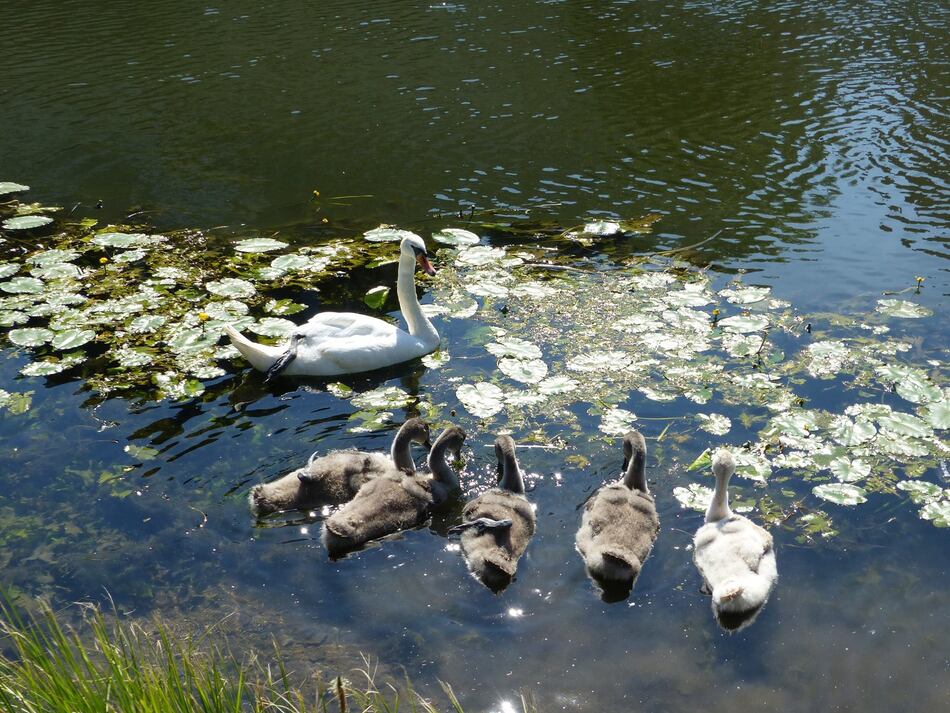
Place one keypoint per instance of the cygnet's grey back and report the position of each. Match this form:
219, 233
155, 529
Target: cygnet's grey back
394, 502
492, 552
337, 477
620, 523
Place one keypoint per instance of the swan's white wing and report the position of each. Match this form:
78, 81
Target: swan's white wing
356, 348
328, 325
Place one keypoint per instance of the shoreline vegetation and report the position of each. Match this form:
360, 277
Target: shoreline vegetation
106, 664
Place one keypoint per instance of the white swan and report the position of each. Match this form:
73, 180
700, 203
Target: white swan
332, 343
733, 554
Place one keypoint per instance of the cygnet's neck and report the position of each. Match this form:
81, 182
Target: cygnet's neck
719, 507
419, 325
510, 473
636, 477
401, 451
439, 466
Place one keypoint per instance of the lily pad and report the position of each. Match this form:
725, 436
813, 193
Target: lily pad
850, 471
904, 424
26, 222
602, 228
72, 338
10, 187
920, 491
693, 497
617, 421
557, 385
437, 359
902, 308
385, 397
386, 234
30, 336
714, 423
528, 371
514, 347
22, 285
482, 400
455, 236
744, 324
841, 493
746, 295
231, 287
146, 324
51, 257
259, 245
122, 240
375, 297
938, 512
7, 269
938, 414
273, 327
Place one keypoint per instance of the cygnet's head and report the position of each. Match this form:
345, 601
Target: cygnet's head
417, 431
723, 464
413, 246
452, 439
509, 473
633, 444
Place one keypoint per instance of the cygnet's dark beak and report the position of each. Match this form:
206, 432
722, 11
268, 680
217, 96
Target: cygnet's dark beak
427, 444
423, 261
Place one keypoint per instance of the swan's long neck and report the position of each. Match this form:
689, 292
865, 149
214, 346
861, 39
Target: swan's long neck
719, 507
636, 477
440, 468
419, 325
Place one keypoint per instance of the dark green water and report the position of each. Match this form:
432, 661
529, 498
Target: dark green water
816, 135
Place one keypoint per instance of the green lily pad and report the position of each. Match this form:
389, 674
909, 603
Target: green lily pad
455, 236
273, 327
714, 423
283, 307
938, 512
30, 336
52, 257
514, 347
231, 287
59, 271
122, 240
375, 297
386, 234
10, 187
528, 371
146, 324
43, 368
22, 285
841, 493
7, 269
557, 385
384, 397
72, 338
920, 491
26, 222
746, 295
293, 261
902, 308
259, 245
601, 228
598, 361
693, 497
850, 471
482, 400
437, 359
938, 414
903, 424
744, 324
617, 421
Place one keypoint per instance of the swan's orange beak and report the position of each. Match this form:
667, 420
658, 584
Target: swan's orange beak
424, 263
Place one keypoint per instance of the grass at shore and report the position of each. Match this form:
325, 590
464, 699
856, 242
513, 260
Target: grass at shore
106, 665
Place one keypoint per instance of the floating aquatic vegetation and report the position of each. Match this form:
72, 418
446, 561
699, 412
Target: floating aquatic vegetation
26, 222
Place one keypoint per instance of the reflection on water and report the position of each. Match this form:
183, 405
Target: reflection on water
812, 132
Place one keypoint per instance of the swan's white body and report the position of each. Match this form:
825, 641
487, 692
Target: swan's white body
734, 555
333, 343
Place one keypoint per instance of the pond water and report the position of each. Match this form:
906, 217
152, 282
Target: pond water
813, 136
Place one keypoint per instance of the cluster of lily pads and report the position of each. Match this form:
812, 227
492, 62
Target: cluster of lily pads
561, 335
558, 335
150, 307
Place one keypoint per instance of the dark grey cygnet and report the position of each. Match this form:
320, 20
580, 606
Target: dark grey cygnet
620, 524
336, 477
395, 501
506, 523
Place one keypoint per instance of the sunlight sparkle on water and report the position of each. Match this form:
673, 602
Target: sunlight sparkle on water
515, 612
